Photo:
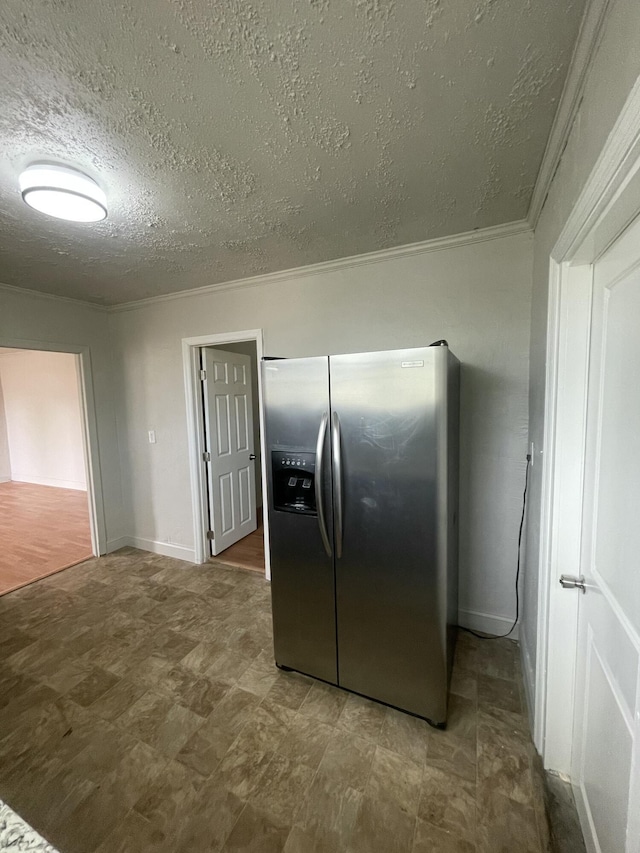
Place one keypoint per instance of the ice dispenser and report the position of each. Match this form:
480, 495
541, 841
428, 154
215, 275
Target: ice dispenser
294, 481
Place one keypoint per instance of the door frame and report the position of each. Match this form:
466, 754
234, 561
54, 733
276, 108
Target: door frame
195, 434
91, 447
607, 205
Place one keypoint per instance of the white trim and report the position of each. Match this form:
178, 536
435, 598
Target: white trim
97, 521
195, 432
608, 202
617, 164
92, 452
528, 676
25, 291
5, 479
49, 481
195, 447
468, 238
563, 477
589, 36
546, 506
488, 623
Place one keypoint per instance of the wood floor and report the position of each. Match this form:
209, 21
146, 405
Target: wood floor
248, 553
42, 530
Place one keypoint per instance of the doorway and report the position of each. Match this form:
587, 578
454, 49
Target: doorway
229, 379
223, 390
44, 482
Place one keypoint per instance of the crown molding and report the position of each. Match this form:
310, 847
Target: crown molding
467, 238
25, 291
589, 36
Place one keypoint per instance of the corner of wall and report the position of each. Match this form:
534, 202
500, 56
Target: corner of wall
528, 678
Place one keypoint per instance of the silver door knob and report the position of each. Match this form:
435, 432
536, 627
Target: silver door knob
252, 456
569, 582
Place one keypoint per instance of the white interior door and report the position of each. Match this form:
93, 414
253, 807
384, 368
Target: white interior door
228, 417
606, 735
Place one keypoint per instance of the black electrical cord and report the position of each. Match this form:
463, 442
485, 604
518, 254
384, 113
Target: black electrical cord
515, 621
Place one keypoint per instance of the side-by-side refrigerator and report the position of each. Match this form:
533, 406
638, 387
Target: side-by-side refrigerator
362, 501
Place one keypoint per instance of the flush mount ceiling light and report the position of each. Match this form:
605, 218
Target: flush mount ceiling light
63, 192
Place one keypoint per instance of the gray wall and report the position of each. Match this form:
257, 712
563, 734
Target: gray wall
27, 319
475, 295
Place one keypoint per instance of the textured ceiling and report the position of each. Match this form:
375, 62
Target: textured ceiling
234, 138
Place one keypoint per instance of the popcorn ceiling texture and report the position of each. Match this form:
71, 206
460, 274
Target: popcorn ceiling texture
236, 138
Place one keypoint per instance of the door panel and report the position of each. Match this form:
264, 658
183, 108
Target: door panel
242, 422
296, 396
390, 607
619, 463
228, 415
223, 425
225, 499
245, 495
606, 782
606, 737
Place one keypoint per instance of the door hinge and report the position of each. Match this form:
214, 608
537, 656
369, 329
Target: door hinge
569, 582
206, 456
203, 375
210, 535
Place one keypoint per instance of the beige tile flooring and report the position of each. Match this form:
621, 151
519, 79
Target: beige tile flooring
140, 711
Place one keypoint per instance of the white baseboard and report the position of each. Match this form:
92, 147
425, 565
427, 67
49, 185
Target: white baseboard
178, 552
48, 481
488, 623
4, 479
528, 676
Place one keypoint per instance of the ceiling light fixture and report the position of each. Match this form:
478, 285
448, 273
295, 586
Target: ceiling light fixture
63, 192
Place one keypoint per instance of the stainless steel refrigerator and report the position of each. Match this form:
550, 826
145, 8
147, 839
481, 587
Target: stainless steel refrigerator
362, 501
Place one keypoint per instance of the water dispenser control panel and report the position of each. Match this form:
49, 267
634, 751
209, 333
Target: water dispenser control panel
294, 481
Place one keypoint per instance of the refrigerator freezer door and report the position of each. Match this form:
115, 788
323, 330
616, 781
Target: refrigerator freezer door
390, 593
296, 396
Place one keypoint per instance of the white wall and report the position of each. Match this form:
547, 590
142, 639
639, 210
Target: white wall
26, 318
5, 459
614, 71
477, 296
43, 418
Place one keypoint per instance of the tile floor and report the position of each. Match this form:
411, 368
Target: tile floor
564, 824
141, 711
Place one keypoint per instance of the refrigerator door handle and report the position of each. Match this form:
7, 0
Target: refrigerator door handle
322, 521
337, 479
